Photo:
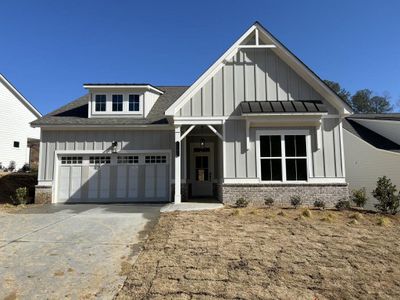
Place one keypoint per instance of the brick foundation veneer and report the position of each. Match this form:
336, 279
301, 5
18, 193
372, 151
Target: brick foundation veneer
43, 194
281, 193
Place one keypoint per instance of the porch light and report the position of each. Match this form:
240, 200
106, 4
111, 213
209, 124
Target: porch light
202, 142
114, 145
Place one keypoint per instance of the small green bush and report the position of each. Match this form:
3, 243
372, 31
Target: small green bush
319, 204
343, 204
21, 196
269, 201
359, 197
385, 193
241, 203
295, 201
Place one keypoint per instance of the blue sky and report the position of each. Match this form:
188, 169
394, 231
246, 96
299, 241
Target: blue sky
50, 48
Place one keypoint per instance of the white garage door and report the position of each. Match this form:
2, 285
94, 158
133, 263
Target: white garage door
113, 178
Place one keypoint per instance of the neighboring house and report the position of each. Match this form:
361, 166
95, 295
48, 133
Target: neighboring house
372, 150
258, 123
17, 138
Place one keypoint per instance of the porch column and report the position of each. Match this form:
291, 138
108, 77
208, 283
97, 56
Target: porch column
178, 148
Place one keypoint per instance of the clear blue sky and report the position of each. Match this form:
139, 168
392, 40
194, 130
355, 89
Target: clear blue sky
49, 48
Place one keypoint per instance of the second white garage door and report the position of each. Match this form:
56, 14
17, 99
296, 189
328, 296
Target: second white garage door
113, 178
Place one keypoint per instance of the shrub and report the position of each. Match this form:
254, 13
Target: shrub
11, 166
383, 221
269, 201
295, 201
385, 193
25, 168
21, 196
359, 197
319, 204
306, 213
241, 202
342, 204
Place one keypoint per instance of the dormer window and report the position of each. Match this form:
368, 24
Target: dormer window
117, 103
100, 102
134, 103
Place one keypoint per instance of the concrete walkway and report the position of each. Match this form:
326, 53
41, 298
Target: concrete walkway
70, 251
190, 206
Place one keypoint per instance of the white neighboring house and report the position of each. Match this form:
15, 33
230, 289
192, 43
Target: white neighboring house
372, 150
15, 131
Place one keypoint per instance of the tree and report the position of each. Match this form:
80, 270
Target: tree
360, 101
385, 193
363, 101
341, 92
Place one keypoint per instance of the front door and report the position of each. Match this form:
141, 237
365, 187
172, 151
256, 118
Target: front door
202, 170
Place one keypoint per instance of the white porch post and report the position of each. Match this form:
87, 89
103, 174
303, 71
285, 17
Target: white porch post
178, 148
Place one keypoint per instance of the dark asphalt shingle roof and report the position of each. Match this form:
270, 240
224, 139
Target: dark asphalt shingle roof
76, 112
270, 107
387, 117
369, 136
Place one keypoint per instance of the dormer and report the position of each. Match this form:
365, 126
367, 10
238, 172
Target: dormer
121, 100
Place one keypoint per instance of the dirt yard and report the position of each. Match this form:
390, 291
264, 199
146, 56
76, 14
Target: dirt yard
268, 254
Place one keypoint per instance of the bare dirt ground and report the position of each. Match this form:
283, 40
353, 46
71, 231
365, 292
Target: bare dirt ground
268, 254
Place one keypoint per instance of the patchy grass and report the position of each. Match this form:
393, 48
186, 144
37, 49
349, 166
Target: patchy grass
267, 254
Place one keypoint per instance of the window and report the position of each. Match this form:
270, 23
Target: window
296, 157
16, 144
117, 102
271, 158
128, 159
160, 159
283, 157
134, 103
71, 160
100, 103
100, 160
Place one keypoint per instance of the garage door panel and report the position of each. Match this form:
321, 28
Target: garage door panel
93, 182
63, 185
122, 181
161, 181
150, 172
133, 182
75, 182
104, 182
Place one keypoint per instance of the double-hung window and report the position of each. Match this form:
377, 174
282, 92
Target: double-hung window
117, 103
100, 103
283, 157
134, 103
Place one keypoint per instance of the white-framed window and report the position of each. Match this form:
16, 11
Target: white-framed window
155, 159
71, 160
117, 102
128, 159
134, 103
100, 160
100, 103
283, 156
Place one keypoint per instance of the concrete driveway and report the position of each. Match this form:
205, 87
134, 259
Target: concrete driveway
70, 251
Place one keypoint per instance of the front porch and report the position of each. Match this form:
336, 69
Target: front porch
198, 163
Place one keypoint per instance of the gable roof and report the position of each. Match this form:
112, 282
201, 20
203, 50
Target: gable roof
20, 97
284, 53
75, 113
369, 136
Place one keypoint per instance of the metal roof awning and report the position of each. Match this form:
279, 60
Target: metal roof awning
282, 107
